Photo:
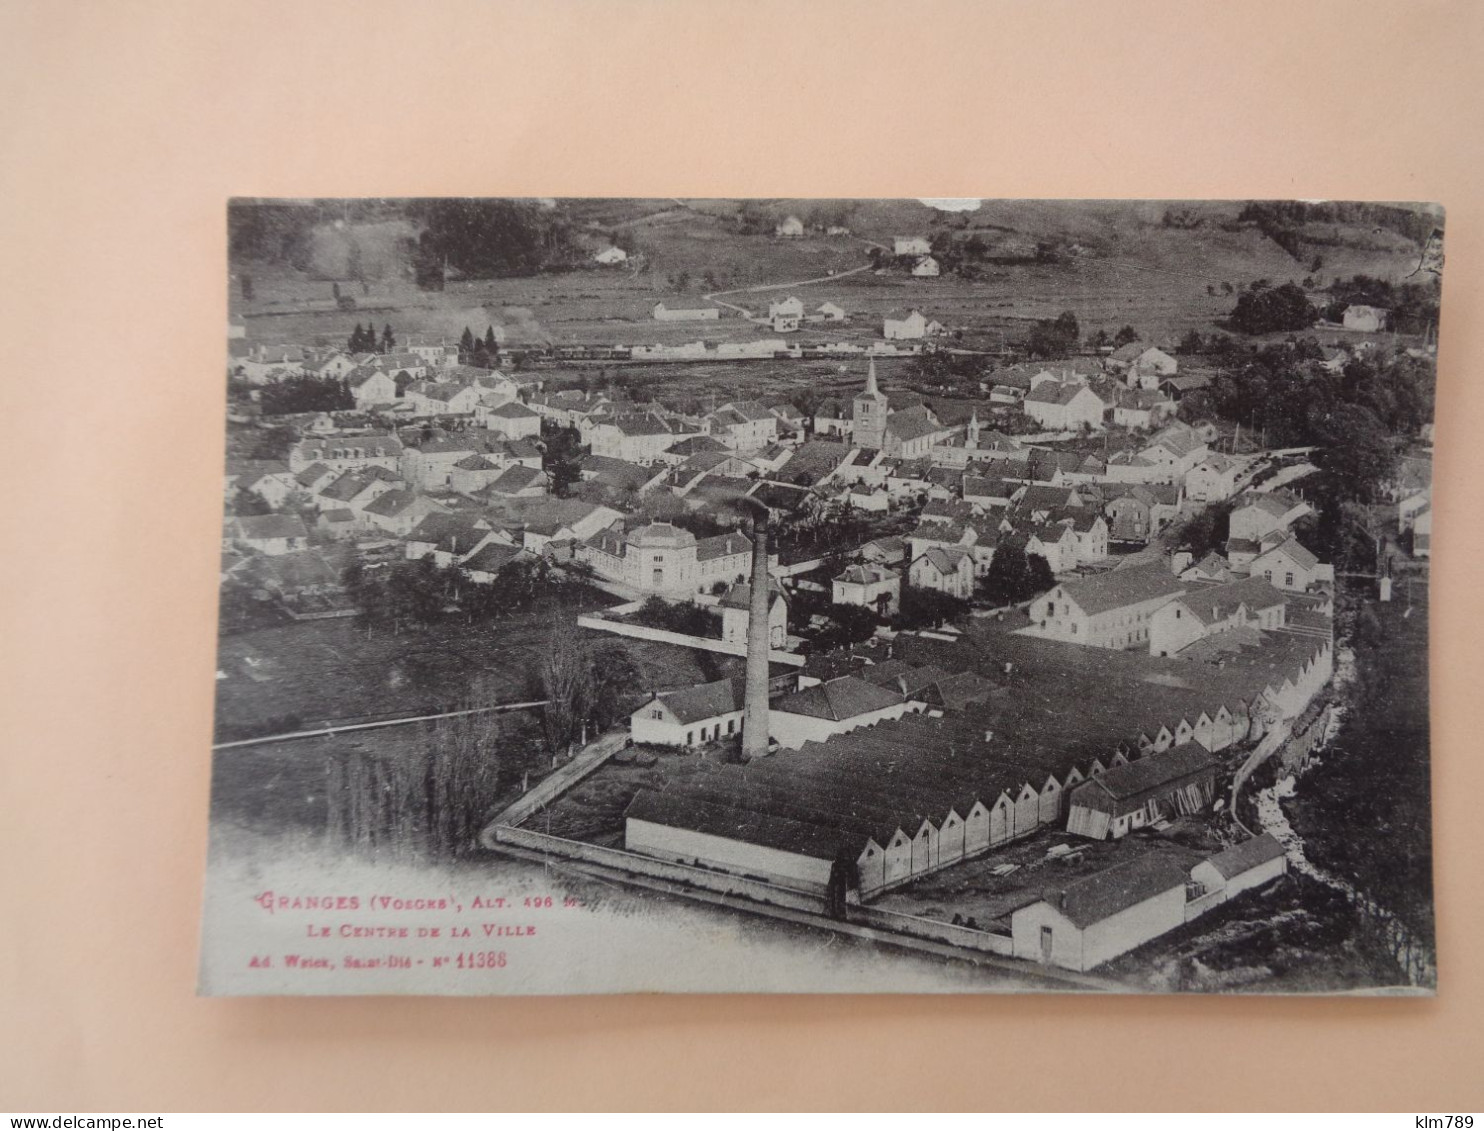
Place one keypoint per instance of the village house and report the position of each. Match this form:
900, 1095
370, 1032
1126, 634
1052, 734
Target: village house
636, 439
512, 420
1174, 450
871, 587
913, 326
736, 605
664, 313
948, 569
355, 490
689, 717
1371, 319
785, 315
926, 268
450, 538
428, 463
830, 312
484, 566
1141, 365
440, 398
270, 533
743, 426
1213, 479
910, 245
347, 453
611, 257
1260, 513
789, 228
1138, 512
338, 523
519, 482
1141, 408
269, 480
370, 387
398, 511
1290, 566
1064, 407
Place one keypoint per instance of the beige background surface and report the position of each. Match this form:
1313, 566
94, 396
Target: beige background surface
123, 129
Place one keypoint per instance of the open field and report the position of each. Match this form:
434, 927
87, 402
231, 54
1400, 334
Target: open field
1112, 263
311, 673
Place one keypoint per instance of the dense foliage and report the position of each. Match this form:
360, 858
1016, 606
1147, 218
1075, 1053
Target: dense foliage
1264, 309
1014, 576
305, 394
685, 617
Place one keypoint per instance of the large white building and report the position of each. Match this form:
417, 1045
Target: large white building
665, 560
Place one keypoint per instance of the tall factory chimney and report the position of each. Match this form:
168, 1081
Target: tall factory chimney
755, 701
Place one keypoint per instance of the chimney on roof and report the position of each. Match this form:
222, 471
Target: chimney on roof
755, 701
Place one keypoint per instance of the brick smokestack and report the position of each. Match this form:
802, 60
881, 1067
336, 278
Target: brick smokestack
755, 701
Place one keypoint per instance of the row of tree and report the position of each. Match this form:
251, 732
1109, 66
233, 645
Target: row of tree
363, 340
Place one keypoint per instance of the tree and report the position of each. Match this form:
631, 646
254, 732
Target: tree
1191, 343
466, 343
849, 624
491, 345
616, 683
388, 340
927, 608
461, 773
1124, 336
1054, 337
1015, 576
566, 683
1263, 309
356, 342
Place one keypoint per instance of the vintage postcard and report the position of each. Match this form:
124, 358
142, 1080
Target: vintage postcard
939, 595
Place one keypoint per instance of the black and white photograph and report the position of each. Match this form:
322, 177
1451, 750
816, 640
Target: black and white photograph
824, 596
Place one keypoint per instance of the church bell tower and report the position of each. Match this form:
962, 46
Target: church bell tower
868, 413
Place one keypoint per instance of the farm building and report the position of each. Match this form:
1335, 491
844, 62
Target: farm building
1159, 786
611, 257
910, 245
664, 313
789, 228
926, 268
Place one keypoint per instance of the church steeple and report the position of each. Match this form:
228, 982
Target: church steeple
974, 429
868, 413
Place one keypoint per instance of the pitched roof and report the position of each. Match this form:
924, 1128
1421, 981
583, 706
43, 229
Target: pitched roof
945, 559
1103, 894
513, 410
839, 699
722, 546
1244, 857
1155, 771
1296, 551
257, 527
866, 575
1120, 587
516, 477
704, 701
1052, 392
492, 557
